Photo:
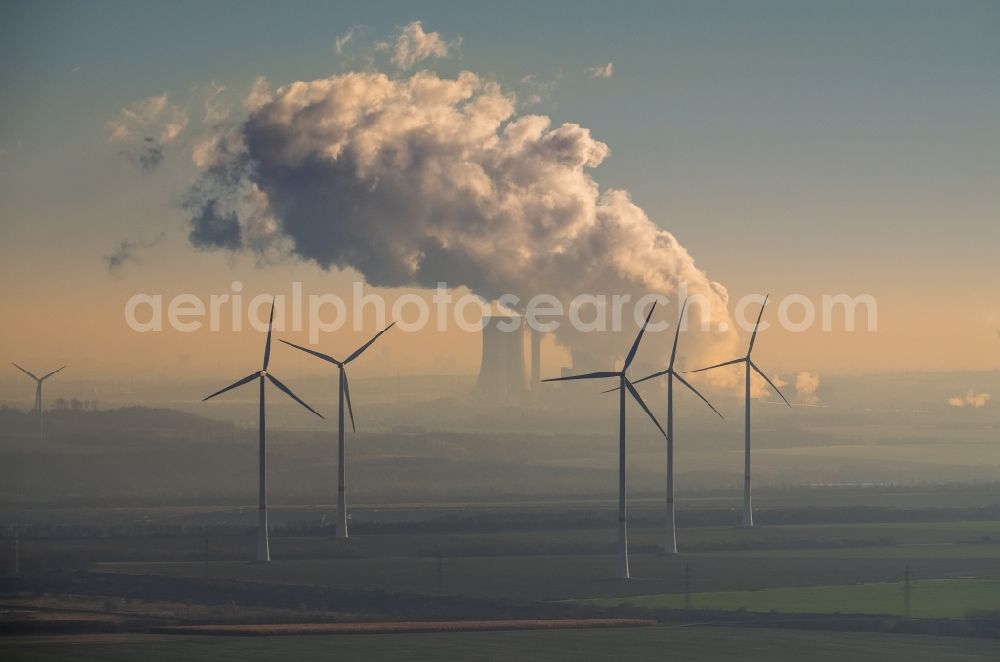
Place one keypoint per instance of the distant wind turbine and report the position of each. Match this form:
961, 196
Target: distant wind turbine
748, 364
263, 548
623, 384
670, 545
344, 392
38, 393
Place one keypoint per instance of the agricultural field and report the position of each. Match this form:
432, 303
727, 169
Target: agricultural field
472, 563
679, 644
934, 598
595, 539
578, 563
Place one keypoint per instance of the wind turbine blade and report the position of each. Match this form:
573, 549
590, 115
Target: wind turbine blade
677, 333
249, 378
642, 403
638, 338
636, 381
325, 357
652, 376
28, 373
361, 349
347, 394
51, 373
761, 373
753, 337
267, 345
695, 391
719, 365
588, 375
276, 382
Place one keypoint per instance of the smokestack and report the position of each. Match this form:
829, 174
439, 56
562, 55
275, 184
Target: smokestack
501, 370
536, 358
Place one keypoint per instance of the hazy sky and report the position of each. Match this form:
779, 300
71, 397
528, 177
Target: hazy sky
811, 147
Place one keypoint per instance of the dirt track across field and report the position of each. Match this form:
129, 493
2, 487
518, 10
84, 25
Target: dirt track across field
255, 630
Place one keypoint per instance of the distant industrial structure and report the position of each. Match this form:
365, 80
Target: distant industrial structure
584, 361
502, 371
536, 357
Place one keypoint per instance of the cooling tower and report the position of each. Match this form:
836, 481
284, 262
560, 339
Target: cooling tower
502, 370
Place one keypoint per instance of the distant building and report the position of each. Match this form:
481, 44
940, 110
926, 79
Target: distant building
587, 362
502, 370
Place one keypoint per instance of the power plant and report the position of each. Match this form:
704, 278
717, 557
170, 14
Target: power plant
502, 370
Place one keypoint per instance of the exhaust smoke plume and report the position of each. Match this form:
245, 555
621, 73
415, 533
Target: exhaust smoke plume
806, 385
145, 128
424, 179
972, 399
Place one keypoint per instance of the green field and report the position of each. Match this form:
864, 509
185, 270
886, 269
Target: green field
940, 598
561, 577
677, 644
539, 541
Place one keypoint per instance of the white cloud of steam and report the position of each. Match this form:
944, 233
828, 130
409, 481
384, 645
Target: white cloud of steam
971, 399
607, 71
535, 89
414, 45
759, 388
341, 41
806, 385
260, 93
216, 110
146, 127
424, 179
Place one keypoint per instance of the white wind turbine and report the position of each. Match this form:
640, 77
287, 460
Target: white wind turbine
38, 393
263, 548
670, 545
623, 384
748, 365
344, 392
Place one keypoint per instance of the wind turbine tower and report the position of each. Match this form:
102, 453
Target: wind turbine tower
621, 569
344, 392
262, 375
38, 394
670, 544
748, 365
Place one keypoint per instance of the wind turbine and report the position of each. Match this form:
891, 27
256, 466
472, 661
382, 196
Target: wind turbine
623, 384
344, 392
670, 546
748, 364
38, 392
263, 548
